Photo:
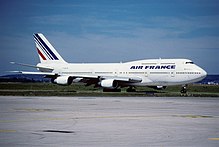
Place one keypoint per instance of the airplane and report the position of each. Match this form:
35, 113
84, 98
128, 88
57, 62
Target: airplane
155, 73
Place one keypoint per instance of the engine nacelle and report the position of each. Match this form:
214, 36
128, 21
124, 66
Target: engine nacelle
161, 87
63, 80
109, 83
158, 87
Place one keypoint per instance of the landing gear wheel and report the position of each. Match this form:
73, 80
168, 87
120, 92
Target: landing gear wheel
111, 90
184, 89
130, 89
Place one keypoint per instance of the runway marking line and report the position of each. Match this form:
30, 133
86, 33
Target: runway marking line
79, 118
193, 116
107, 117
213, 139
33, 110
7, 131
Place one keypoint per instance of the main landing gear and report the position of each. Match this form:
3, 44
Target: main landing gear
111, 90
184, 89
131, 89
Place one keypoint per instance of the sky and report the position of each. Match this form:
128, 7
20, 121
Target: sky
86, 31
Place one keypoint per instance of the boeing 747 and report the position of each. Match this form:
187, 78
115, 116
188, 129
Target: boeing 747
157, 73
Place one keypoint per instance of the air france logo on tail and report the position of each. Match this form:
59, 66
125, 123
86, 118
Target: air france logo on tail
43, 49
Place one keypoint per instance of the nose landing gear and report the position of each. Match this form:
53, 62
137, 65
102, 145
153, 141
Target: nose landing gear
184, 89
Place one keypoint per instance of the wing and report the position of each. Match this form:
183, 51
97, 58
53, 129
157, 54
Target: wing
98, 81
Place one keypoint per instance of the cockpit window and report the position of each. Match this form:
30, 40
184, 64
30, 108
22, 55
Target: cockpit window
190, 62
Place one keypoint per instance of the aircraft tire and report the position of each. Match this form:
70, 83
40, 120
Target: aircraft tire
111, 90
130, 90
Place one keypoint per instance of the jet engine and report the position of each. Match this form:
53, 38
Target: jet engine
158, 87
109, 83
63, 80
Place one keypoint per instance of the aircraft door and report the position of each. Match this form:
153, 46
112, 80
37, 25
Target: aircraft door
172, 73
146, 74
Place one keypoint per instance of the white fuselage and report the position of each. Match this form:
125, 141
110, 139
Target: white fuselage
152, 72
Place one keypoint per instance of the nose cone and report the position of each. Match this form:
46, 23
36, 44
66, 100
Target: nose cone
203, 73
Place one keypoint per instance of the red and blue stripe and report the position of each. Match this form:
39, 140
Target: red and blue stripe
47, 51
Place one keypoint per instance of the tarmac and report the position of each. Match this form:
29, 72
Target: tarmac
109, 121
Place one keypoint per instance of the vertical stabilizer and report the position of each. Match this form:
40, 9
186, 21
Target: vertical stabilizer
46, 51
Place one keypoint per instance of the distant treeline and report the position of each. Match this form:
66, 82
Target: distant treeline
24, 78
211, 80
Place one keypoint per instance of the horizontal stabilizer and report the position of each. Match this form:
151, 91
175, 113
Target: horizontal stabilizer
35, 73
32, 66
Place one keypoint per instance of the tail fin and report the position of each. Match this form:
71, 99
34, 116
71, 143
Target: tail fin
46, 51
